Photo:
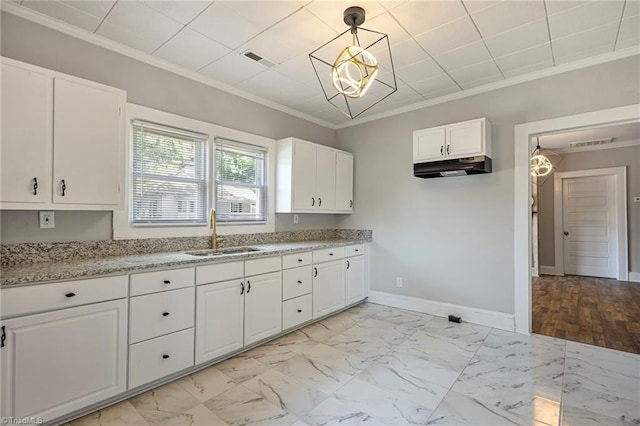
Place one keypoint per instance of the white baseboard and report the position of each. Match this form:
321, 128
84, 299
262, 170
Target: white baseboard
548, 270
634, 277
468, 314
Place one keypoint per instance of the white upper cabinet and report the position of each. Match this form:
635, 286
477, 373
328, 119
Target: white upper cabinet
26, 135
312, 178
64, 134
87, 138
458, 140
344, 181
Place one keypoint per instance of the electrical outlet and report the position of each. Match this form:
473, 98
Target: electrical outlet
296, 219
47, 220
398, 282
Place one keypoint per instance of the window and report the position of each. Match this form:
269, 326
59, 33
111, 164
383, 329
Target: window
169, 183
241, 182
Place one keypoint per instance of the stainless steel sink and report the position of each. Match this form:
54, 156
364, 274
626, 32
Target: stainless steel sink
223, 251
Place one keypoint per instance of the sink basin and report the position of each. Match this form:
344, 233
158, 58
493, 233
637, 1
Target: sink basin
223, 251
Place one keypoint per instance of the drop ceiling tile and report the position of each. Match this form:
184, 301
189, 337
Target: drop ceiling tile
261, 14
466, 55
559, 6
522, 37
582, 54
527, 69
421, 16
442, 92
507, 15
525, 58
180, 11
584, 18
481, 82
233, 68
97, 8
603, 36
631, 8
128, 38
300, 69
630, 30
224, 25
403, 97
628, 43
386, 24
445, 38
191, 50
435, 84
474, 6
475, 72
272, 46
331, 12
407, 53
143, 21
312, 104
419, 71
272, 84
65, 13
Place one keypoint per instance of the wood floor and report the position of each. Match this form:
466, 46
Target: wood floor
597, 311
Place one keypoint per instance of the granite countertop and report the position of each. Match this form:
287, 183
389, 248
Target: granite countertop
24, 274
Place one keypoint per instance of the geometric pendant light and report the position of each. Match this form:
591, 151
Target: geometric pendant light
540, 165
355, 69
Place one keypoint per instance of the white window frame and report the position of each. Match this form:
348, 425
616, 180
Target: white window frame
122, 227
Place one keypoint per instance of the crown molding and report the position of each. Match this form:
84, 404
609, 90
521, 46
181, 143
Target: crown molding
63, 27
103, 42
571, 66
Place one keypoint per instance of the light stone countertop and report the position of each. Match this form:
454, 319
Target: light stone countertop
35, 273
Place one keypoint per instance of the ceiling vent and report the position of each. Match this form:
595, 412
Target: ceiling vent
259, 59
591, 142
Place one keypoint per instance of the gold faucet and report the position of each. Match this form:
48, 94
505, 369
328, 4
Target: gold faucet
215, 240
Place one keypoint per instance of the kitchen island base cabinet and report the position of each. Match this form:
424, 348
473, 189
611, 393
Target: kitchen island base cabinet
219, 319
57, 362
328, 287
262, 307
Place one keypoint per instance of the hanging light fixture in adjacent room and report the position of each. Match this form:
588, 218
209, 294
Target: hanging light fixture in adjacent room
364, 66
540, 165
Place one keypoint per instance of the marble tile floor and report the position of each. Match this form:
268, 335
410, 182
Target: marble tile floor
377, 365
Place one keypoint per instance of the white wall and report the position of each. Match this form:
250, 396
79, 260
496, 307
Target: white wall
148, 86
629, 157
451, 239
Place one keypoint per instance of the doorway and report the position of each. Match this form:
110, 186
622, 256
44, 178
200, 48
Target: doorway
523, 194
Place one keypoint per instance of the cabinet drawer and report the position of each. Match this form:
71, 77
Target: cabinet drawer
296, 259
47, 297
153, 282
296, 282
296, 311
262, 266
219, 272
160, 357
326, 255
354, 250
161, 313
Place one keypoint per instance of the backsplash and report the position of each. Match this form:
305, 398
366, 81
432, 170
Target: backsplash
25, 253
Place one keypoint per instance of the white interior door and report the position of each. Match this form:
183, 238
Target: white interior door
589, 226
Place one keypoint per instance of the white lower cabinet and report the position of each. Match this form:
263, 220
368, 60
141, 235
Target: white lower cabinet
328, 287
262, 307
160, 357
296, 311
154, 315
354, 279
219, 319
61, 361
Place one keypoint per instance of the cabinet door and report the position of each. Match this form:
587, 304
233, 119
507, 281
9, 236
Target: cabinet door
262, 307
328, 287
465, 140
344, 181
219, 319
429, 145
304, 176
326, 179
87, 143
354, 279
61, 361
26, 135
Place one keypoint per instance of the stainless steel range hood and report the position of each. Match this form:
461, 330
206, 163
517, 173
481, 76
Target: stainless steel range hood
458, 167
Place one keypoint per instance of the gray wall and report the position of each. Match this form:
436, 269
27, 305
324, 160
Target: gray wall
145, 85
629, 157
451, 239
